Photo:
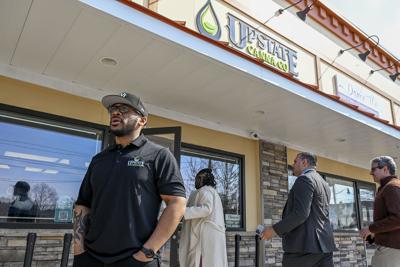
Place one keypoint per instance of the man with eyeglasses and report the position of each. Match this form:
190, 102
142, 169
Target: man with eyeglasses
115, 216
385, 230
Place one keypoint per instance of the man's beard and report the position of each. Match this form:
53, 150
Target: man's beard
126, 129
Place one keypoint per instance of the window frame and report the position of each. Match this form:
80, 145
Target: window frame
356, 185
241, 159
363, 185
56, 119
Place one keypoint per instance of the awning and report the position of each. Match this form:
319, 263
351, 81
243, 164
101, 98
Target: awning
66, 45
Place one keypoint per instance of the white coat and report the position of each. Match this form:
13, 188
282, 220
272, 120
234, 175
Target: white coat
203, 231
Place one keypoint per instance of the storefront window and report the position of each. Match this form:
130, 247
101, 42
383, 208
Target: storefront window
227, 169
291, 178
342, 209
42, 164
367, 196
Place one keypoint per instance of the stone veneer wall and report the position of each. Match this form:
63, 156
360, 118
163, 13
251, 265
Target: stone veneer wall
350, 252
274, 182
49, 244
247, 254
48, 247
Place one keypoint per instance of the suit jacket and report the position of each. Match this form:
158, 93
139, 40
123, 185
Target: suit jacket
305, 225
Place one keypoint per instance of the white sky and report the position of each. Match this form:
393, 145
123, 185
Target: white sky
380, 17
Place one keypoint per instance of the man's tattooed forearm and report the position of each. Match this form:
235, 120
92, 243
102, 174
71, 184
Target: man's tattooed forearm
80, 225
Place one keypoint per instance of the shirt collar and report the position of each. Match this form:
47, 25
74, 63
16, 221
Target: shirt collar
307, 170
386, 180
138, 142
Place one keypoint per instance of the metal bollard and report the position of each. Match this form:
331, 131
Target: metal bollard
257, 238
238, 238
30, 245
66, 250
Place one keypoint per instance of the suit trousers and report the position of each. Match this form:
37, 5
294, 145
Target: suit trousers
86, 260
307, 259
386, 257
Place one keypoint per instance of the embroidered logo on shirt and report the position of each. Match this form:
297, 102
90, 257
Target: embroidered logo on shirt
136, 162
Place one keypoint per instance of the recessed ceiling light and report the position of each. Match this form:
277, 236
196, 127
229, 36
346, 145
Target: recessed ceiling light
29, 156
51, 171
108, 61
64, 161
32, 169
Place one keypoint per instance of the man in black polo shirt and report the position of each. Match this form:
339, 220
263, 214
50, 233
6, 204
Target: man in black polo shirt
115, 216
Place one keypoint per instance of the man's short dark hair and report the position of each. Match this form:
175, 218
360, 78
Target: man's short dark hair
21, 188
387, 161
310, 158
209, 178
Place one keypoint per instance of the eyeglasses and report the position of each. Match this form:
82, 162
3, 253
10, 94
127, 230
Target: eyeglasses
121, 109
377, 167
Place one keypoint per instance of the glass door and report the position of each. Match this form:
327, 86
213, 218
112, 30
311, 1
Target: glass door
168, 137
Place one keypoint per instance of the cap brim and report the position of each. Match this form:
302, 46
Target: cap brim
110, 100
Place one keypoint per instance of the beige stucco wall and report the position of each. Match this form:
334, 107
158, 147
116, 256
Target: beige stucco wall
187, 10
334, 167
25, 95
289, 30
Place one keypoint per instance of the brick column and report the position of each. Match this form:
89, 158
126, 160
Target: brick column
351, 250
274, 179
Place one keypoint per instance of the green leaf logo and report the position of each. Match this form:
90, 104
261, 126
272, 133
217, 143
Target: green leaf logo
209, 27
207, 22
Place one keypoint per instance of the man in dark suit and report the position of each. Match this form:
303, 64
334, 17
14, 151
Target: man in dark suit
306, 232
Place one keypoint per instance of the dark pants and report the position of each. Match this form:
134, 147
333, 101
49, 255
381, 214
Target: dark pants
86, 260
307, 260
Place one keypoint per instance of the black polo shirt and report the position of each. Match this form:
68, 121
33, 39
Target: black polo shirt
122, 187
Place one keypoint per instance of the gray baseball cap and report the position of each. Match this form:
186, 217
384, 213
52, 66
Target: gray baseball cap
127, 99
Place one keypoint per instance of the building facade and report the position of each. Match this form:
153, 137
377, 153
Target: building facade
238, 86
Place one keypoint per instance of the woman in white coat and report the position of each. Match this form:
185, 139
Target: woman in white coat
203, 242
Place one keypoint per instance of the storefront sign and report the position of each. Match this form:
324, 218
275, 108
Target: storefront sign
247, 39
232, 220
397, 114
63, 210
354, 94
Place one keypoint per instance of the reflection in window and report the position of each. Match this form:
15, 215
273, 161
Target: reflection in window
367, 196
42, 164
227, 172
291, 178
342, 208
